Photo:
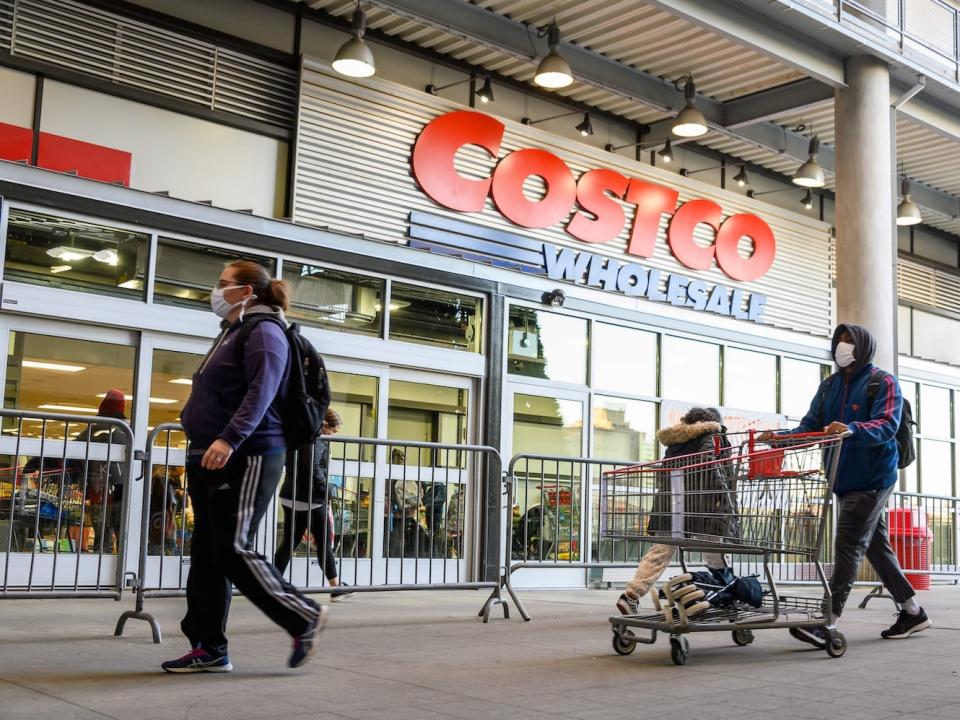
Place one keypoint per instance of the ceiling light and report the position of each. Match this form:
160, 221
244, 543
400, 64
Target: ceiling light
181, 381
907, 211
553, 71
58, 367
108, 256
807, 200
354, 58
162, 401
689, 122
667, 153
585, 127
810, 174
486, 92
68, 408
741, 178
69, 254
57, 269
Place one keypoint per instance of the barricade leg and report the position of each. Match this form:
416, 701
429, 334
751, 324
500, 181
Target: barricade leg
138, 614
877, 592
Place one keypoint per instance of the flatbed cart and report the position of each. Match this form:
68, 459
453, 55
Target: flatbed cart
778, 494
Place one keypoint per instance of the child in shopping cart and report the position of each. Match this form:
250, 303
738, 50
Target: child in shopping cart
691, 441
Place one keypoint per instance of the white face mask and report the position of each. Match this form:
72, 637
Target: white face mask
220, 306
844, 354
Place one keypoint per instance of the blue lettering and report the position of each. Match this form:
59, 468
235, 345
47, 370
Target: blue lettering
653, 287
603, 272
632, 280
677, 290
697, 292
736, 304
567, 265
719, 302
757, 305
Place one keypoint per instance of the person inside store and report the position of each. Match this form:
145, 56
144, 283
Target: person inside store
306, 505
235, 456
866, 477
709, 511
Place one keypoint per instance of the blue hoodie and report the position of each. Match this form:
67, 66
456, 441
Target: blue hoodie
869, 457
236, 398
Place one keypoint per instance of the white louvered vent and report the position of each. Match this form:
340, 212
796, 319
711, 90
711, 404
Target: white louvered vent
135, 54
6, 24
924, 285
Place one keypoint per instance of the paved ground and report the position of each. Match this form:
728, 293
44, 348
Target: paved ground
425, 655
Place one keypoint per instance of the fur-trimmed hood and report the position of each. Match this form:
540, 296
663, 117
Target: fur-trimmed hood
684, 433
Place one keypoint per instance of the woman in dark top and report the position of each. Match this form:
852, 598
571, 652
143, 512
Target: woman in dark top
236, 449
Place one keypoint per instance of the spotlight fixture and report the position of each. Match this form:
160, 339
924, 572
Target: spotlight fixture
585, 127
907, 211
553, 71
810, 174
667, 153
554, 298
807, 200
355, 58
486, 92
741, 178
689, 122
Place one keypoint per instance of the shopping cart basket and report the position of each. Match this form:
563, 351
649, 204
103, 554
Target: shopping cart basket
762, 499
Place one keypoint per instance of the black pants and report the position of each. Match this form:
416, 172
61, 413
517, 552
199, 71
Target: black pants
295, 522
862, 530
228, 505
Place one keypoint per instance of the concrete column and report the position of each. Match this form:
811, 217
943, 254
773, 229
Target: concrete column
866, 227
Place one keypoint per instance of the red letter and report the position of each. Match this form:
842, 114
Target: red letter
728, 239
680, 233
436, 148
651, 201
591, 194
508, 195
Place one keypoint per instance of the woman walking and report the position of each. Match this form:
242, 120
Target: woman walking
236, 450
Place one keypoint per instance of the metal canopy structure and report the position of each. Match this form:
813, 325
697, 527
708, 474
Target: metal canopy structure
758, 76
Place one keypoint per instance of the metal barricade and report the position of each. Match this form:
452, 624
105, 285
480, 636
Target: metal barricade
393, 515
65, 493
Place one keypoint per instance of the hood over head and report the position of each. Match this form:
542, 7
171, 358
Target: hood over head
865, 345
685, 432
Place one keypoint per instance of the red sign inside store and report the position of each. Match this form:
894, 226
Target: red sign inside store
598, 217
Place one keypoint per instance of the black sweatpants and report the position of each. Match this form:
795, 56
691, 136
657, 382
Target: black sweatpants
228, 504
862, 530
295, 522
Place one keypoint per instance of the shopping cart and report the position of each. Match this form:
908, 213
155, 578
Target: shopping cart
772, 499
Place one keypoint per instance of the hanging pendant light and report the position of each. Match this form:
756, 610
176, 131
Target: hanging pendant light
810, 174
807, 200
689, 122
355, 58
667, 153
585, 128
486, 92
907, 211
553, 71
741, 178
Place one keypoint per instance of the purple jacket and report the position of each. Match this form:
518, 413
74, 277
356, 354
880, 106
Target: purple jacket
236, 398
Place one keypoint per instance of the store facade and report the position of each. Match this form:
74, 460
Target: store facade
469, 278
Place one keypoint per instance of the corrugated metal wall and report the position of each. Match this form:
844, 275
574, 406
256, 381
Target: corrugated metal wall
353, 173
925, 285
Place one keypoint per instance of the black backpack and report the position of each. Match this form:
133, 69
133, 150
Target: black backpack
308, 391
905, 442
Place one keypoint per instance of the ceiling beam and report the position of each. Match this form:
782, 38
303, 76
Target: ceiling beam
774, 102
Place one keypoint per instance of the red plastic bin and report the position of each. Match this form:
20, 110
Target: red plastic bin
912, 542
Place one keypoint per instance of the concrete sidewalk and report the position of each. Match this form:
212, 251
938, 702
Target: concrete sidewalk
426, 655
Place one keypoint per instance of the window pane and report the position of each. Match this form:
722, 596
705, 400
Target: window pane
908, 389
799, 381
690, 371
333, 299
75, 255
624, 360
749, 380
170, 381
428, 413
934, 411
936, 470
547, 345
186, 272
434, 317
546, 512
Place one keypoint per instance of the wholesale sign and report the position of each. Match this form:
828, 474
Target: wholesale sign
597, 218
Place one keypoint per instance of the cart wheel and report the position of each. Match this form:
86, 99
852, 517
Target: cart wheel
624, 644
743, 637
837, 645
679, 649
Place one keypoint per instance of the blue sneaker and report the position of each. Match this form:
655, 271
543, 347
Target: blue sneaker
199, 660
305, 646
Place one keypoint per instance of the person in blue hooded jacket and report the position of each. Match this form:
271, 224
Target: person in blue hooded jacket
866, 477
